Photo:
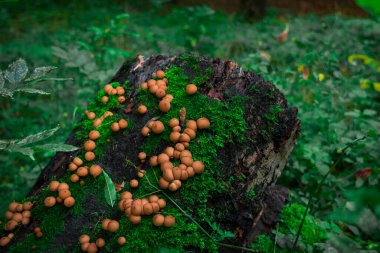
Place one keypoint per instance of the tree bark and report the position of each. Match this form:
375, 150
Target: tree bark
257, 164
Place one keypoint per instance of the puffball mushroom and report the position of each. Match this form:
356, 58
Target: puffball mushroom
173, 122
93, 135
191, 89
153, 198
160, 74
13, 206
126, 195
91, 115
105, 99
121, 240
142, 109
92, 248
164, 105
69, 202
63, 194
53, 186
105, 223
161, 203
97, 122
157, 127
82, 171
144, 86
169, 221
174, 136
74, 178
160, 93
72, 167
198, 167
77, 161
134, 183
145, 131
95, 170
158, 220
203, 123
135, 219
115, 127
63, 186
192, 124
84, 238
89, 156
49, 202
153, 89
100, 242
113, 226
142, 155
4, 241
123, 124
151, 82
89, 145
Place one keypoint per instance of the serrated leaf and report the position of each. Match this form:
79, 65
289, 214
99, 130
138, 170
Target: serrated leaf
2, 81
32, 91
57, 147
6, 92
16, 72
40, 72
109, 190
37, 137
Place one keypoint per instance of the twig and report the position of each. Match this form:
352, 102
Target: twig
320, 186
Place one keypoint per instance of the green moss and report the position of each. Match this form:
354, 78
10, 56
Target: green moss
313, 230
227, 125
272, 115
99, 108
291, 217
250, 194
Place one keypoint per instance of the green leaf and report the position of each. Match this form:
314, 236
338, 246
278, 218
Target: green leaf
109, 190
57, 147
6, 93
37, 137
2, 81
16, 72
40, 72
32, 91
25, 151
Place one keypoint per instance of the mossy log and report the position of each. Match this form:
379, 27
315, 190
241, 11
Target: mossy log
251, 135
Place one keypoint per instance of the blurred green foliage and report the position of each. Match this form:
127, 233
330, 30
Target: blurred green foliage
321, 66
371, 6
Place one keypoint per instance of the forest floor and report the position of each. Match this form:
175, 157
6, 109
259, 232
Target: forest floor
327, 66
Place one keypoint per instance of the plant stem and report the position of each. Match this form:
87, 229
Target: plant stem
319, 187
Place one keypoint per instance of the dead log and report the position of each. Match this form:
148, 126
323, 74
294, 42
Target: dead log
251, 135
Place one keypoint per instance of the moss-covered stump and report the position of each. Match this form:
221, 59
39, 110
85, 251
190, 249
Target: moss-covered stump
165, 166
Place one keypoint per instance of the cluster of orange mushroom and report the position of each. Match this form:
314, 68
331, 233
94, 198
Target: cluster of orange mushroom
82, 171
118, 91
64, 195
154, 126
135, 208
159, 88
17, 214
91, 247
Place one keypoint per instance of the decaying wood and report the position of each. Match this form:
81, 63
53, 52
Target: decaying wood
260, 162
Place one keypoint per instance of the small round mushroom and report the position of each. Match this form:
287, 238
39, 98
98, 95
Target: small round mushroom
142, 109
203, 123
157, 127
191, 89
160, 74
158, 220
